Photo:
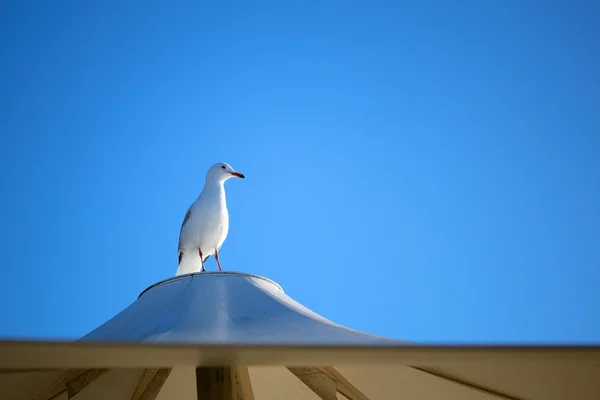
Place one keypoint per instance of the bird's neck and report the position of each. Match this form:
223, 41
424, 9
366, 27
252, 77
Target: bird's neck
214, 189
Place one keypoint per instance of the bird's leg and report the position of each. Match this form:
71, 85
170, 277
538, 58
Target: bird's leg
217, 258
201, 260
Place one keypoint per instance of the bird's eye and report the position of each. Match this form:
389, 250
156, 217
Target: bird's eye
222, 166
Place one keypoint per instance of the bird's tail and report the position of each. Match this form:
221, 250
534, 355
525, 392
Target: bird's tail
189, 261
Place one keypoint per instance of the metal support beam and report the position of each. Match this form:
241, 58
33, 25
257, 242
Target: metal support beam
216, 383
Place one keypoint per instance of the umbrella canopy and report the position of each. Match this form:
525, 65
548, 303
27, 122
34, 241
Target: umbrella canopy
227, 309
239, 336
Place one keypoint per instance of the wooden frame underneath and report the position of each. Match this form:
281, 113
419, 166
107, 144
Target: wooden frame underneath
320, 383
223, 383
243, 384
70, 383
151, 383
326, 382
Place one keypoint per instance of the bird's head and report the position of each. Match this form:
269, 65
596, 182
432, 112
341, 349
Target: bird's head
221, 171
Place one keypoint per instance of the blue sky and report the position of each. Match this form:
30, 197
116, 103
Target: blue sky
428, 171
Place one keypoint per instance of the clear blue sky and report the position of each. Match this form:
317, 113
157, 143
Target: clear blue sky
424, 170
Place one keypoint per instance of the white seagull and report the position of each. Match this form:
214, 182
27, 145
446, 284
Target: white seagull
206, 223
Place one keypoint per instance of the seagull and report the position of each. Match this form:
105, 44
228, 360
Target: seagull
206, 222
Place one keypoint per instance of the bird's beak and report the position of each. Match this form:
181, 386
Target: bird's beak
239, 175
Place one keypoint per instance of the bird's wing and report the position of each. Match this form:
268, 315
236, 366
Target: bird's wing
187, 217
